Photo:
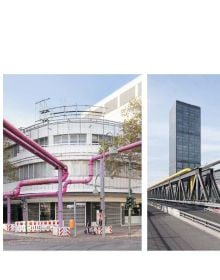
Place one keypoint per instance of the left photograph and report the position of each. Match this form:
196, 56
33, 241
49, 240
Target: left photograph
72, 162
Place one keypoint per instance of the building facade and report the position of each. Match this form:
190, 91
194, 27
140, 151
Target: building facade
184, 137
73, 134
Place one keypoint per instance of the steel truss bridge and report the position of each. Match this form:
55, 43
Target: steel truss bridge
198, 186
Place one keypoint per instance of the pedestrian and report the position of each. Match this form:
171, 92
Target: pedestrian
100, 217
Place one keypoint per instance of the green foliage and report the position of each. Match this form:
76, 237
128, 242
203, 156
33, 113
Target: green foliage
131, 132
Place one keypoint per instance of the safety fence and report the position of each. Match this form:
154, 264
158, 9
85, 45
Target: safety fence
200, 220
32, 226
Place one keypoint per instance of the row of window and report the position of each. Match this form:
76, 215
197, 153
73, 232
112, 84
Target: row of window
73, 139
70, 139
76, 169
80, 138
124, 98
182, 165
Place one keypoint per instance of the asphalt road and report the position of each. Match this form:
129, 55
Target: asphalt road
166, 232
46, 241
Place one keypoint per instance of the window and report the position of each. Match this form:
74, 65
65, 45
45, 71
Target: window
61, 139
40, 170
139, 89
82, 138
126, 96
111, 105
57, 139
77, 138
47, 211
12, 151
98, 138
42, 141
95, 139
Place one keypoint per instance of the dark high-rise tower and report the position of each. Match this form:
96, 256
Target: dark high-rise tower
184, 137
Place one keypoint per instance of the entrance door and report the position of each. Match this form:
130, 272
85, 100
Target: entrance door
47, 211
91, 211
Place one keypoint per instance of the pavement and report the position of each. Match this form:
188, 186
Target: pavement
118, 240
166, 232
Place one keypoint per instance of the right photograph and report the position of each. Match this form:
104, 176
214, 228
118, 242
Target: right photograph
183, 191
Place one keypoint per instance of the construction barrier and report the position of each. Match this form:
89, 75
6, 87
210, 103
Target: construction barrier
61, 231
36, 226
9, 227
98, 229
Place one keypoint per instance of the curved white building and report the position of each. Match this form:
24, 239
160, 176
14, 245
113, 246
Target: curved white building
73, 134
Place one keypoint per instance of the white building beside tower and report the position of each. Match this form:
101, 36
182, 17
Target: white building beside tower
72, 134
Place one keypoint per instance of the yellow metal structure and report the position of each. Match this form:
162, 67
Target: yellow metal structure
191, 183
181, 172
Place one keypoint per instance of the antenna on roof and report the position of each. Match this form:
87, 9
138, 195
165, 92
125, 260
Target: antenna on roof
41, 109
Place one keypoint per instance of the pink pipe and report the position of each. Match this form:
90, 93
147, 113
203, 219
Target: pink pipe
32, 143
94, 158
17, 136
28, 147
90, 176
32, 182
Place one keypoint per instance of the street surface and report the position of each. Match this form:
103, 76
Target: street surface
166, 232
119, 240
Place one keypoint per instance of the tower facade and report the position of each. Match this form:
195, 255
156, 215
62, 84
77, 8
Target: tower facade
184, 137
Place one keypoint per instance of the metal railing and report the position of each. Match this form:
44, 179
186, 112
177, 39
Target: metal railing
202, 221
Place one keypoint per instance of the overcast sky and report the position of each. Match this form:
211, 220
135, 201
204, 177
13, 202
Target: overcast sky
163, 90
22, 91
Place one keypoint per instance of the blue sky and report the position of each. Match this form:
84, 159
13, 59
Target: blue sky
163, 90
22, 91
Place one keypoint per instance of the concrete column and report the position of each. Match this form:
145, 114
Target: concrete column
8, 210
60, 198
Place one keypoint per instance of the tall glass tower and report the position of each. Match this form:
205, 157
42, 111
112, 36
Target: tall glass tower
184, 137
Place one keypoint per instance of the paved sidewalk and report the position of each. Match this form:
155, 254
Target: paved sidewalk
118, 240
166, 232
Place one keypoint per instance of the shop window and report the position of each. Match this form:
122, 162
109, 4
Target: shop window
47, 211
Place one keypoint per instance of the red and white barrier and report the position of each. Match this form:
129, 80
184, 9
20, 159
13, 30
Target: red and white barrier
98, 229
108, 229
61, 231
36, 226
9, 227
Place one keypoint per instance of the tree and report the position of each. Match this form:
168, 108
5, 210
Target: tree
132, 115
131, 132
9, 170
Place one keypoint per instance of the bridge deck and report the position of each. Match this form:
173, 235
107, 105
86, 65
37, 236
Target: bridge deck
166, 232
198, 211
